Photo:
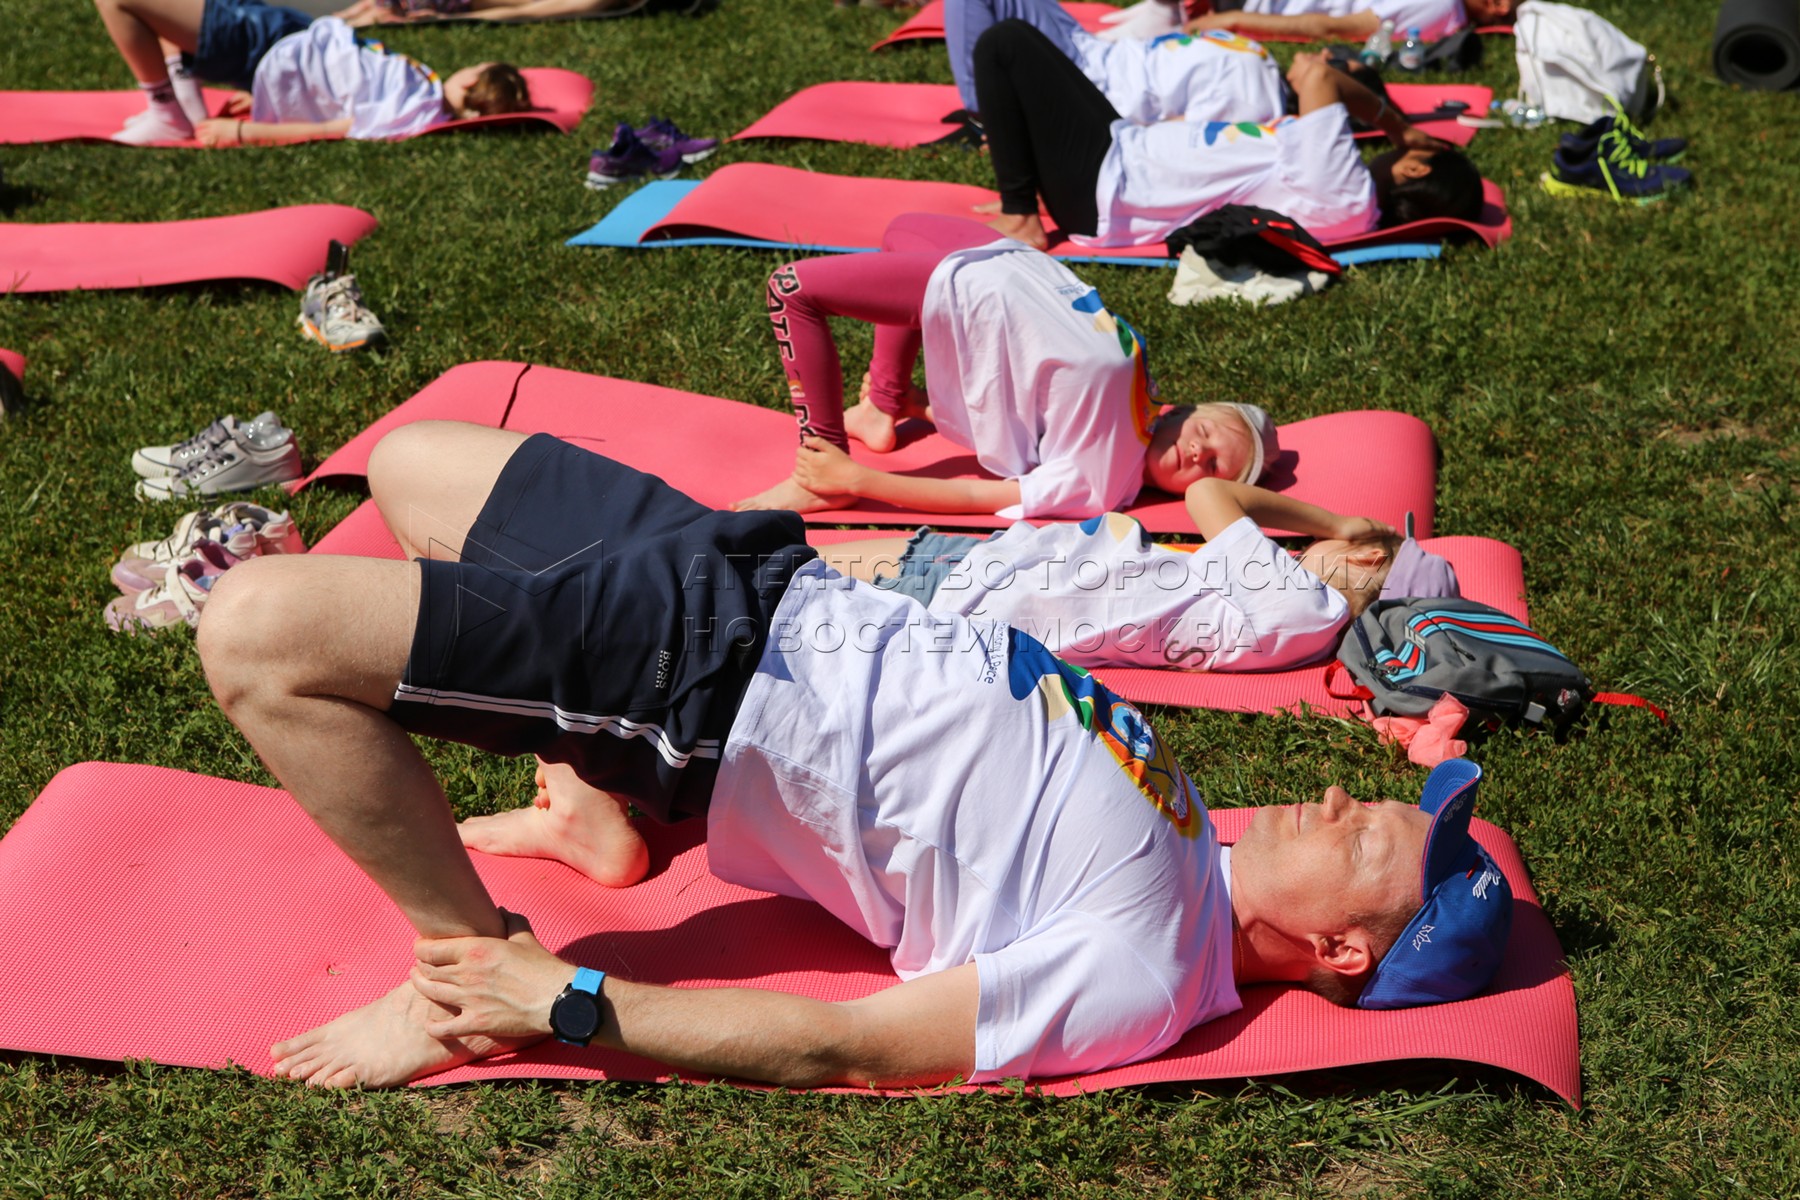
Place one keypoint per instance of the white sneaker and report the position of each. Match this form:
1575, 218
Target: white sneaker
158, 123
156, 462
237, 466
1142, 21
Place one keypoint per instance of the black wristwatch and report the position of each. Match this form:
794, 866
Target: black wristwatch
575, 1013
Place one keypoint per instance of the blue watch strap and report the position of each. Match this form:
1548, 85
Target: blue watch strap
588, 980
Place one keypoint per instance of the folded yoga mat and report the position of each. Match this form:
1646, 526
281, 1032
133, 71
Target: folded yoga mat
718, 451
235, 923
1489, 571
562, 98
917, 114
280, 245
757, 204
1756, 44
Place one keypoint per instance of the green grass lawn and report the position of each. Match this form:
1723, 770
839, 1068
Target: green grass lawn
1614, 391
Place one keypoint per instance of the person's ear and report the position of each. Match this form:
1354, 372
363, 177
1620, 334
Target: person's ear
1411, 167
1367, 554
1348, 953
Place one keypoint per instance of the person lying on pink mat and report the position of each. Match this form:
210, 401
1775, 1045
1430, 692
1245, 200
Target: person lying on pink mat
1325, 20
1023, 365
1102, 594
398, 12
1045, 877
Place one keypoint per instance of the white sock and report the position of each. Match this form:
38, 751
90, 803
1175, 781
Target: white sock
187, 89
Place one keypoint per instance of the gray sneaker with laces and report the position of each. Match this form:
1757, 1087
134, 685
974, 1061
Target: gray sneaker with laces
253, 455
160, 462
332, 313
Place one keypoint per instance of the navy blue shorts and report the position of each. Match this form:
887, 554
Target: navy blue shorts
234, 36
599, 618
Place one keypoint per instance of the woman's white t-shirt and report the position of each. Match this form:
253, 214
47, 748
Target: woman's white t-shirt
1100, 594
1026, 368
1156, 178
1212, 76
1432, 18
954, 793
325, 73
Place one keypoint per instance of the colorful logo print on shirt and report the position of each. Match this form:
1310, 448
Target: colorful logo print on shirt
1068, 690
376, 47
1232, 131
1143, 388
1224, 39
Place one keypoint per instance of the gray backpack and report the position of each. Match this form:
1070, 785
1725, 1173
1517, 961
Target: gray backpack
1406, 654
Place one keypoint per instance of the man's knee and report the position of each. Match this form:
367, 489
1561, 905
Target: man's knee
240, 636
403, 452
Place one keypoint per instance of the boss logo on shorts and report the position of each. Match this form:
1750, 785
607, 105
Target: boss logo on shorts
663, 661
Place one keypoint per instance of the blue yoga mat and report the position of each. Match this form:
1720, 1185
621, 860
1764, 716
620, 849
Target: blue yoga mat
625, 225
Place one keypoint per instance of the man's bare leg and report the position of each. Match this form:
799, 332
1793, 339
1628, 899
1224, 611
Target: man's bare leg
571, 822
304, 655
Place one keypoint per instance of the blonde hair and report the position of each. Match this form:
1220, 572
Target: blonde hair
1361, 585
1232, 419
500, 88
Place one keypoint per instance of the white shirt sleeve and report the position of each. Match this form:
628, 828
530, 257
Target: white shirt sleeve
1270, 613
1067, 998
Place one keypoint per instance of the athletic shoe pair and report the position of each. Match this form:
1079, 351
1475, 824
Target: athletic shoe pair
657, 149
332, 311
167, 582
1611, 157
226, 456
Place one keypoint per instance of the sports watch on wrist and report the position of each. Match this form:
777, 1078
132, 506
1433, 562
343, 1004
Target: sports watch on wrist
575, 1013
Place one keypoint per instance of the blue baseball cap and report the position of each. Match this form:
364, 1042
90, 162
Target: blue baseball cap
1453, 945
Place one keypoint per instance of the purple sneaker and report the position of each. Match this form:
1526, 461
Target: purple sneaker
663, 134
630, 158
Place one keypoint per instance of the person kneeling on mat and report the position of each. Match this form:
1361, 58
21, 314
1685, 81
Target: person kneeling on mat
1045, 877
1102, 594
1108, 182
1023, 365
304, 77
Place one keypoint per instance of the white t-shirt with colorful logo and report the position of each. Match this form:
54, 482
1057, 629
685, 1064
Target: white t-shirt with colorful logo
1100, 594
1026, 368
1432, 18
954, 793
1156, 178
325, 73
1211, 76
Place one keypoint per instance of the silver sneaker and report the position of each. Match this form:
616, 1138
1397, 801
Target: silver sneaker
159, 462
250, 458
332, 313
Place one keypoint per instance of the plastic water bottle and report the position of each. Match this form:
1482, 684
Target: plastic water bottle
1375, 51
1519, 114
1412, 52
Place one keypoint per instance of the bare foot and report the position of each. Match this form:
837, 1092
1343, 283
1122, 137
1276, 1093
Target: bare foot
570, 822
870, 426
790, 495
990, 209
383, 1044
1021, 228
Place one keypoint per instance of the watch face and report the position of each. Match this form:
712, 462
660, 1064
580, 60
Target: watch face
575, 1017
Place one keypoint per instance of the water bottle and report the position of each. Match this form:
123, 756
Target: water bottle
1375, 51
1519, 114
1412, 52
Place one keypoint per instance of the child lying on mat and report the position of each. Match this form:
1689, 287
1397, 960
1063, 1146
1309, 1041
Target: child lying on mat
307, 78
1108, 182
1102, 594
1324, 20
394, 12
1213, 77
1044, 875
1023, 365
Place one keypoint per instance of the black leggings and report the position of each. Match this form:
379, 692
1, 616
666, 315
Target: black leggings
1048, 127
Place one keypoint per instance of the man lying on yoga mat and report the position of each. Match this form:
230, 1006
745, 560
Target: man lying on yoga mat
1102, 594
395, 12
1323, 20
1023, 365
1043, 873
1213, 77
1108, 182
306, 78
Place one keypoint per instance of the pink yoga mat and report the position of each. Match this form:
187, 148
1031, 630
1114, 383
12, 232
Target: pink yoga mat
14, 362
795, 207
1489, 571
281, 245
561, 97
237, 924
928, 23
1379, 464
912, 114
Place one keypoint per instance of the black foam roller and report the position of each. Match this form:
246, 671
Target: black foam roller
1757, 44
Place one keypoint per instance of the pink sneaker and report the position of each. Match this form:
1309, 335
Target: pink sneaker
241, 529
178, 599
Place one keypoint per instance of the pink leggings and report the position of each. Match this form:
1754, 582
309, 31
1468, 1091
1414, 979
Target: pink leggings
887, 289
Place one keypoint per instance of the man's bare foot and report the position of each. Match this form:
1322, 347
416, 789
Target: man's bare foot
990, 209
790, 495
1021, 228
383, 1044
570, 822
